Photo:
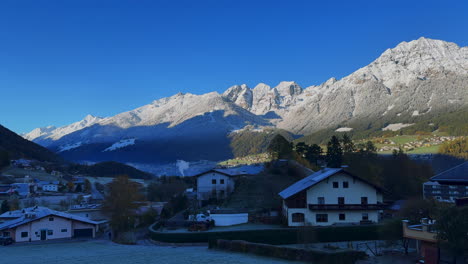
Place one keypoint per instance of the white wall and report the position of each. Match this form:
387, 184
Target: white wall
50, 187
230, 219
34, 229
333, 217
205, 186
352, 194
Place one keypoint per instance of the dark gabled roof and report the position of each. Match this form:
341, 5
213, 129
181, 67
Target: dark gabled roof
315, 178
457, 174
39, 213
236, 171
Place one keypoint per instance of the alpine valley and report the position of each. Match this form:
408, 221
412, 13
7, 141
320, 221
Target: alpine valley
415, 83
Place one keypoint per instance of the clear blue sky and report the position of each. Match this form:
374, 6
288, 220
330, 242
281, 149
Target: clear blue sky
61, 60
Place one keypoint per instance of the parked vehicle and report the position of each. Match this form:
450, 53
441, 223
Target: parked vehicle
200, 218
6, 240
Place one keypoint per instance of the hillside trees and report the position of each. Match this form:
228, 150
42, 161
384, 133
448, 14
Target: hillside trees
457, 148
4, 159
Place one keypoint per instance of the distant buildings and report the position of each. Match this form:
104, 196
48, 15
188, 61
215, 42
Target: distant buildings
331, 196
449, 185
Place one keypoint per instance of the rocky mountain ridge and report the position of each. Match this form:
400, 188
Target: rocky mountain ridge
416, 78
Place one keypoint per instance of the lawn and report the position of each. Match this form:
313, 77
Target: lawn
105, 252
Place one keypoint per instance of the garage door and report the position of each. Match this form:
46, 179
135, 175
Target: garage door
85, 232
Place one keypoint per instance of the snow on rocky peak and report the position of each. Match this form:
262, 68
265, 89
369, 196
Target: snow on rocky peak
240, 94
39, 132
54, 133
418, 59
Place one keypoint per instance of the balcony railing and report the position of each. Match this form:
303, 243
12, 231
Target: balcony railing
346, 206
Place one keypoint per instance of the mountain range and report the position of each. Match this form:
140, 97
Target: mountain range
414, 80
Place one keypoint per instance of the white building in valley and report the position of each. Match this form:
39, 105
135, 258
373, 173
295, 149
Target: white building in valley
219, 182
41, 223
331, 196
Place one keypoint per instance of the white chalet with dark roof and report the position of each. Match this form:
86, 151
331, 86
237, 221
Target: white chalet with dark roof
220, 182
331, 196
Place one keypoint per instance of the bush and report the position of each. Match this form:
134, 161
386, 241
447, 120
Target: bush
278, 236
315, 256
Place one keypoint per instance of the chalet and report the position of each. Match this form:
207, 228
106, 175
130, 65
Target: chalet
41, 223
332, 196
448, 185
219, 182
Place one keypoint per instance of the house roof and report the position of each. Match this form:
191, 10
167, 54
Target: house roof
308, 181
236, 171
315, 178
24, 216
456, 174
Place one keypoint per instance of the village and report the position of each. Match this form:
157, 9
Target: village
281, 203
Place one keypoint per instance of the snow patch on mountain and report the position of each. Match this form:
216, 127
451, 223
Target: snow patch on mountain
396, 126
121, 144
344, 129
69, 146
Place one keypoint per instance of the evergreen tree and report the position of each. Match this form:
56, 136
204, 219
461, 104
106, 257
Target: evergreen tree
280, 147
5, 206
348, 145
334, 153
314, 153
302, 149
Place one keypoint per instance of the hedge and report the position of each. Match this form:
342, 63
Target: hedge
278, 236
306, 255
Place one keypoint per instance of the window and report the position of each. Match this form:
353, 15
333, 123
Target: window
51, 219
364, 200
335, 184
298, 218
321, 200
221, 181
50, 232
213, 181
321, 218
365, 216
341, 200
342, 217
345, 184
63, 230
24, 234
6, 234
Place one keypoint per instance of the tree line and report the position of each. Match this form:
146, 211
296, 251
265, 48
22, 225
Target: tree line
400, 176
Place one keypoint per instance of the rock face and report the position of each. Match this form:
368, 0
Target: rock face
417, 78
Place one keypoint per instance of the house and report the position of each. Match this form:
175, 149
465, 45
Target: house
448, 185
219, 182
332, 196
6, 190
90, 211
425, 237
41, 223
51, 187
23, 189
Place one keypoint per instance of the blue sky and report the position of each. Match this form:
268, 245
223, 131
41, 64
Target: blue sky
61, 60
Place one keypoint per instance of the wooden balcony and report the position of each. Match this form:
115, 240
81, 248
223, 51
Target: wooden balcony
338, 207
